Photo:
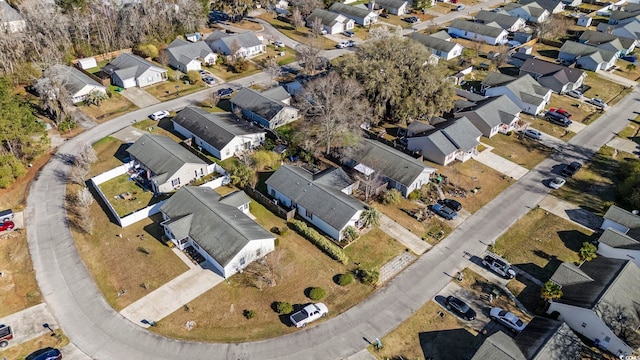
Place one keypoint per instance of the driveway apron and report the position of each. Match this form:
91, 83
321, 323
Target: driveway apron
404, 236
139, 97
501, 164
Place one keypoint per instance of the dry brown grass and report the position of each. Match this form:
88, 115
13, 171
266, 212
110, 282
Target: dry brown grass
113, 107
601, 87
168, 90
219, 312
248, 25
524, 152
15, 196
548, 128
432, 225
106, 149
18, 287
302, 35
579, 111
19, 352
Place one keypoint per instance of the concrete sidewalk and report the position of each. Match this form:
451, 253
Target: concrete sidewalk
501, 164
27, 324
171, 296
611, 76
621, 144
404, 236
571, 212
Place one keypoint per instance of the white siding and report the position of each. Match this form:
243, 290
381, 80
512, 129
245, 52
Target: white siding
149, 77
254, 250
623, 254
614, 225
185, 174
82, 94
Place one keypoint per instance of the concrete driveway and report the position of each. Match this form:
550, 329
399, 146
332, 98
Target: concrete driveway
27, 324
479, 305
501, 164
404, 236
621, 144
139, 97
571, 212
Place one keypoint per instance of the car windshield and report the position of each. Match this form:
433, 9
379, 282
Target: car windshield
502, 312
519, 323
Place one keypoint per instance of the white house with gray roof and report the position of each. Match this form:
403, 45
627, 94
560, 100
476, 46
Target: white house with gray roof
394, 7
332, 23
187, 56
167, 165
247, 44
220, 134
269, 109
218, 227
623, 221
400, 170
321, 199
75, 82
531, 12
587, 56
443, 48
628, 30
505, 21
128, 70
615, 244
493, 115
10, 19
552, 6
618, 44
445, 141
359, 13
525, 91
600, 302
492, 35
556, 77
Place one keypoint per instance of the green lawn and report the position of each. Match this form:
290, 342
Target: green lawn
126, 196
631, 131
373, 249
524, 152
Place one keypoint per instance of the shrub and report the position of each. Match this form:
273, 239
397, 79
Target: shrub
345, 279
321, 242
391, 197
249, 314
193, 76
275, 230
350, 233
367, 276
317, 293
587, 251
283, 307
415, 194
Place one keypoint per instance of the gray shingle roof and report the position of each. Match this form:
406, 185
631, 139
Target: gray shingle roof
548, 5
390, 3
622, 217
72, 79
128, 65
569, 274
244, 40
216, 129
186, 51
333, 177
278, 93
390, 162
441, 35
219, 228
547, 339
257, 103
327, 203
618, 240
544, 68
8, 13
528, 89
349, 11
579, 49
499, 346
433, 42
497, 79
327, 18
533, 9
476, 28
463, 133
505, 21
493, 111
163, 156
596, 38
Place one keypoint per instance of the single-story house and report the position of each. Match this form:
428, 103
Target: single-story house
269, 108
400, 170
128, 70
359, 13
556, 77
247, 44
220, 134
541, 339
10, 19
525, 91
217, 227
587, 56
394, 7
615, 244
505, 21
620, 45
77, 84
321, 199
600, 302
623, 221
186, 56
442, 48
491, 35
445, 141
552, 6
493, 115
167, 165
584, 20
531, 12
332, 23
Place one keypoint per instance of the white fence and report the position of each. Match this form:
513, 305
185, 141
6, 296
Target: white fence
141, 214
108, 175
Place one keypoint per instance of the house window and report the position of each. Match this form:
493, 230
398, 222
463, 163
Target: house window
309, 214
175, 182
242, 261
272, 192
584, 325
607, 339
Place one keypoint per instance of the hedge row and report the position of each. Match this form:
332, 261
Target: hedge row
331, 249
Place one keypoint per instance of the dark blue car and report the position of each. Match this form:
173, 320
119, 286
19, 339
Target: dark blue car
444, 211
45, 354
225, 92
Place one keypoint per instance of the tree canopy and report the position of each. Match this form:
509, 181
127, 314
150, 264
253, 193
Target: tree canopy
400, 82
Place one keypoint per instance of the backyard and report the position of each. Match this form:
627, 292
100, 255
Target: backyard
218, 313
126, 195
539, 241
167, 90
110, 152
522, 151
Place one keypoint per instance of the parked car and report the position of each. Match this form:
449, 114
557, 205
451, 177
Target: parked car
6, 215
574, 94
557, 182
278, 44
561, 112
48, 353
323, 32
159, 115
597, 102
557, 118
532, 134
571, 169
342, 45
7, 226
452, 204
460, 7
507, 319
629, 58
209, 80
384, 15
460, 308
498, 265
6, 334
348, 33
308, 314
351, 43
225, 92
411, 19
444, 211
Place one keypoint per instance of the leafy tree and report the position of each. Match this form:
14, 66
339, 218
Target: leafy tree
95, 97
551, 291
283, 307
629, 184
371, 216
345, 279
334, 109
350, 233
148, 50
588, 251
368, 276
317, 293
242, 175
391, 197
398, 79
193, 76
631, 67
10, 170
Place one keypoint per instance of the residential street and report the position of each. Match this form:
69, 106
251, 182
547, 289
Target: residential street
102, 333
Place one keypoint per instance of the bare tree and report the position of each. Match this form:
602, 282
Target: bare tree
177, 75
621, 320
502, 56
78, 174
296, 18
213, 98
316, 27
86, 156
265, 270
308, 57
272, 68
334, 108
556, 26
384, 32
54, 98
307, 6
163, 58
84, 198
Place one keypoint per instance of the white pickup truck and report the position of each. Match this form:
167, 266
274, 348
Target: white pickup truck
498, 265
308, 314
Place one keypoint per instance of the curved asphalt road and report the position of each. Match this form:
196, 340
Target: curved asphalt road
99, 331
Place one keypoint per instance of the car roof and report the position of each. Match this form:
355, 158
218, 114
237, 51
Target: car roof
575, 164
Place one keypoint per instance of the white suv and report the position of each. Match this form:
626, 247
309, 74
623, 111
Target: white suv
159, 115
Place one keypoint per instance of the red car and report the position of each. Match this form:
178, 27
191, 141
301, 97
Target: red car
7, 226
561, 112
